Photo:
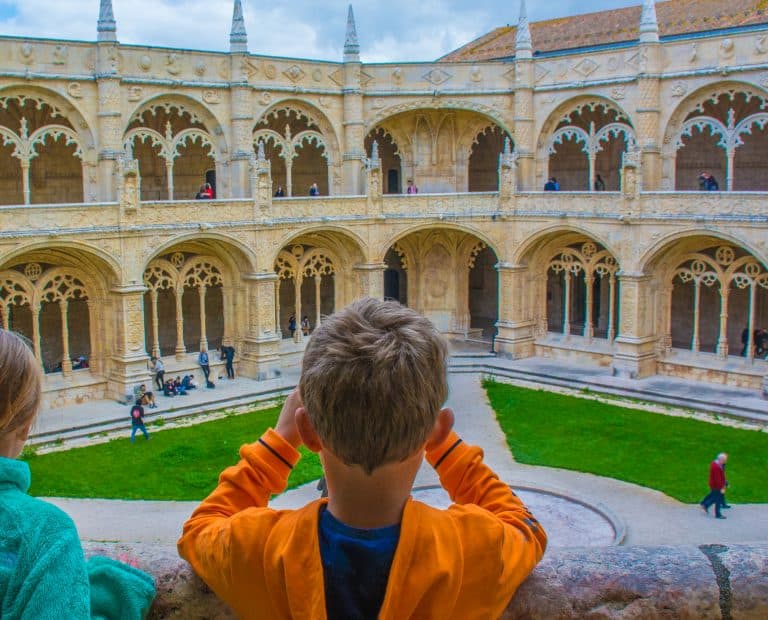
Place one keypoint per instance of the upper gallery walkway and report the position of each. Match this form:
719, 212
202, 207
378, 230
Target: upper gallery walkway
24, 221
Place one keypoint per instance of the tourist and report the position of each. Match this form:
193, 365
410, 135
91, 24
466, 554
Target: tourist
557, 185
158, 370
372, 436
204, 362
208, 191
599, 184
146, 398
169, 389
717, 485
305, 327
551, 185
43, 573
178, 387
703, 181
760, 337
201, 195
292, 324
712, 184
412, 189
744, 341
189, 383
314, 190
280, 193
137, 421
228, 355
80, 362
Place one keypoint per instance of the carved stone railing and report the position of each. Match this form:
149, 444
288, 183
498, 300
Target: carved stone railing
706, 582
30, 220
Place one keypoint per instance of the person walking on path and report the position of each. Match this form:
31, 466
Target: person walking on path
228, 353
158, 368
137, 421
717, 484
205, 364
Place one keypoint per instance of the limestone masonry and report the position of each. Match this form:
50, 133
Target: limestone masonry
107, 258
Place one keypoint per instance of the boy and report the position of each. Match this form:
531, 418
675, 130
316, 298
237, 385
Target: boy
369, 402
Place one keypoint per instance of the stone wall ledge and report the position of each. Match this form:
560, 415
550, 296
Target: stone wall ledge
709, 581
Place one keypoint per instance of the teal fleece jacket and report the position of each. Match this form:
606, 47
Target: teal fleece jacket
43, 572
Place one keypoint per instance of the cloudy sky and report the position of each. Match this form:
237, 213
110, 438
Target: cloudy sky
393, 30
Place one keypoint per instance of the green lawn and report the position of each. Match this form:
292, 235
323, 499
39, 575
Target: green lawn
176, 464
667, 453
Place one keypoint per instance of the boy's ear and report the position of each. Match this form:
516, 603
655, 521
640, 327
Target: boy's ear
441, 429
307, 431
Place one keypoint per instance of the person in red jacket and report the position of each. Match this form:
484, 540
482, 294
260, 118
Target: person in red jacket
371, 403
717, 484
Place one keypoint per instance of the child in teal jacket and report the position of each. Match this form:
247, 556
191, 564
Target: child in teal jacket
43, 572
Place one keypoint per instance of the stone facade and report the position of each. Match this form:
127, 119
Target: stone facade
104, 253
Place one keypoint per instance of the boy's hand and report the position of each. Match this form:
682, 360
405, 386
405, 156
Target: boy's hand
286, 424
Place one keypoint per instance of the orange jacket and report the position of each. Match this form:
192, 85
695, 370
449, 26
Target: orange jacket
463, 563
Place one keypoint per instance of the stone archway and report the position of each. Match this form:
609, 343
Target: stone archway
722, 130
444, 150
42, 157
449, 276
175, 150
583, 139
302, 148
391, 163
316, 277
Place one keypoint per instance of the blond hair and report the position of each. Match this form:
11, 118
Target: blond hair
20, 383
373, 381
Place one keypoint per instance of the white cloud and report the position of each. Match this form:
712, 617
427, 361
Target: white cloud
396, 30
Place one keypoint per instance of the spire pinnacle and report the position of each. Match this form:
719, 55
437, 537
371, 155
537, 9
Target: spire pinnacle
106, 27
523, 41
351, 44
649, 25
238, 38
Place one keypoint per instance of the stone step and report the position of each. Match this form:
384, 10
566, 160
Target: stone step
745, 412
122, 422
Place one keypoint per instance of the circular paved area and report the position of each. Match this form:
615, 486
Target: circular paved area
651, 518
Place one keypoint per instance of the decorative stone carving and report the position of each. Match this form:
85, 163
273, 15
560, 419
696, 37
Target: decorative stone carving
27, 53
173, 63
212, 96
145, 62
693, 54
200, 68
75, 90
618, 92
317, 75
33, 271
436, 77
294, 73
613, 64
270, 71
265, 98
130, 183
761, 44
476, 74
727, 49
679, 89
586, 67
397, 76
60, 55
135, 93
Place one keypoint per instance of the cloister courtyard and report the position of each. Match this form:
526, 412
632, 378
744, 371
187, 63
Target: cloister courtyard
579, 205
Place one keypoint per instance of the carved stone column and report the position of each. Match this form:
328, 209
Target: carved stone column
241, 126
110, 120
128, 360
635, 353
515, 338
649, 111
354, 124
525, 134
370, 278
260, 357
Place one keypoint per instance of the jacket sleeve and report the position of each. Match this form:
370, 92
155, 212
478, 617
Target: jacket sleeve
473, 485
118, 591
55, 581
232, 524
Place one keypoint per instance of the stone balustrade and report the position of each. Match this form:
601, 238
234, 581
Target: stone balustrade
30, 220
706, 582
